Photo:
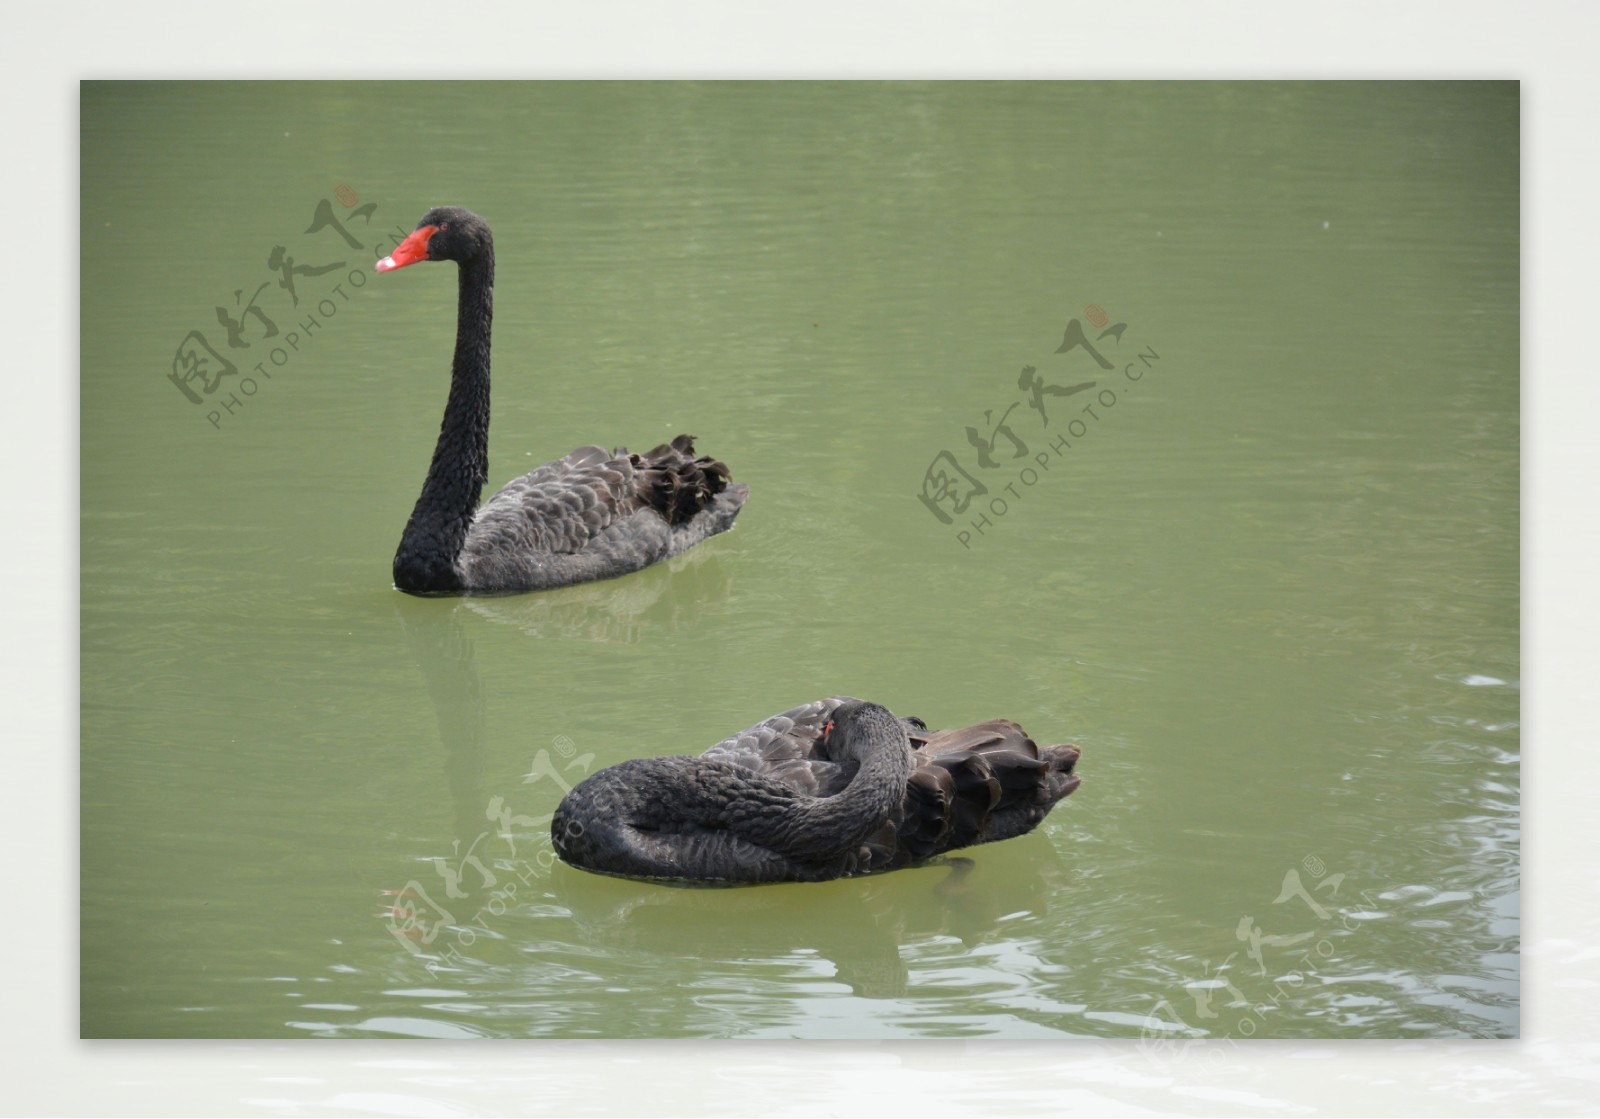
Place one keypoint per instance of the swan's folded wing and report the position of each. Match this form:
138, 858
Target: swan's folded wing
782, 746
785, 747
788, 734
559, 508
564, 507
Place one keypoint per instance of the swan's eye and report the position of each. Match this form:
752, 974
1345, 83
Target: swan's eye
444, 227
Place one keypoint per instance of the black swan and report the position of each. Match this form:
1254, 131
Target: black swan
591, 515
835, 788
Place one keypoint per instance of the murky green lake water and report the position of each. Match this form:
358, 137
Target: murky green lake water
1264, 571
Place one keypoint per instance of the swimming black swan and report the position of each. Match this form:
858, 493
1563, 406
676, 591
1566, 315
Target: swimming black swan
834, 788
591, 515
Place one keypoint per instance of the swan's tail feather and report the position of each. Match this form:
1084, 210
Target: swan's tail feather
675, 483
927, 815
981, 783
1060, 761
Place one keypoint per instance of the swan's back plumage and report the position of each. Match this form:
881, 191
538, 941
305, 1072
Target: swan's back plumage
596, 514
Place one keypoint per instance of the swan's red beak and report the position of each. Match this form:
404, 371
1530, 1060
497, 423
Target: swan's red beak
409, 251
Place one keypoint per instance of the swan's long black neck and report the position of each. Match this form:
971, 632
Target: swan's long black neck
834, 825
426, 560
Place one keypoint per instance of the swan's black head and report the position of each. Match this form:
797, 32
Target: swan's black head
444, 233
856, 727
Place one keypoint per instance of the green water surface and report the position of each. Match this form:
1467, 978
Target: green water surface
1264, 571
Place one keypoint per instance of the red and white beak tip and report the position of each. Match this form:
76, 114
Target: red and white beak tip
409, 251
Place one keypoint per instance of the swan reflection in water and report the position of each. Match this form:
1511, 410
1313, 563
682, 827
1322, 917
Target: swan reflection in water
620, 611
661, 599
866, 933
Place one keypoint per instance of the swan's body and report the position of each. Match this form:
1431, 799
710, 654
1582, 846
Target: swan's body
834, 788
591, 515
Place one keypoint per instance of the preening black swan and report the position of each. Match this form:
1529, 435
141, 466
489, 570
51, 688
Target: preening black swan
834, 788
591, 515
